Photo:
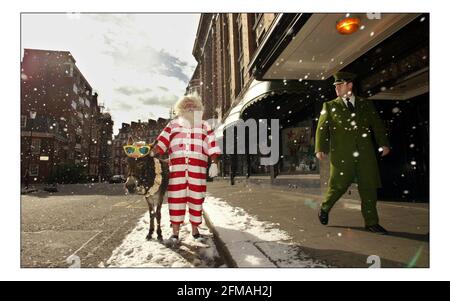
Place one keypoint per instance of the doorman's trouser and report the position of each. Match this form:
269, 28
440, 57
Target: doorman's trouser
368, 195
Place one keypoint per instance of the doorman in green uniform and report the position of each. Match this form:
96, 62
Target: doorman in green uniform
344, 132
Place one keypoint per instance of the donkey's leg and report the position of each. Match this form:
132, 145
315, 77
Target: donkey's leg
158, 216
152, 218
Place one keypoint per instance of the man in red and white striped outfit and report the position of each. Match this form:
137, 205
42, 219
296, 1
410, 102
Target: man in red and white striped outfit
189, 142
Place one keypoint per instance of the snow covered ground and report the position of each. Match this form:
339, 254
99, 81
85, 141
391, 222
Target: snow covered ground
136, 251
254, 243
251, 243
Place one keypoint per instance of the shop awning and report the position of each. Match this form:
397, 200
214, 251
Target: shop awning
259, 90
232, 118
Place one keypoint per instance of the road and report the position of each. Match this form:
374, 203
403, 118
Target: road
79, 221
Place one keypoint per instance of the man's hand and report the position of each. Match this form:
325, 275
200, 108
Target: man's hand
385, 150
213, 170
320, 155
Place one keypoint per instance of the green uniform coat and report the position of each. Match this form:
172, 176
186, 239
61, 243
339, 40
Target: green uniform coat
347, 140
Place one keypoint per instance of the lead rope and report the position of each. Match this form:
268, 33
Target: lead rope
158, 179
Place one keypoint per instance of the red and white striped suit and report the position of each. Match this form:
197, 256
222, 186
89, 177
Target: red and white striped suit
188, 149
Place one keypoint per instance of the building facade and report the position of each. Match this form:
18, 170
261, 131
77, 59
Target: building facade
280, 66
105, 142
64, 131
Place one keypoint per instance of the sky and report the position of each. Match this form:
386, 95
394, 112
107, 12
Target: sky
139, 64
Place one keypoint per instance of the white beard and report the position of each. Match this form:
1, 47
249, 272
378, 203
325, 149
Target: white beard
190, 118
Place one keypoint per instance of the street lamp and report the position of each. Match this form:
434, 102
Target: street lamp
27, 177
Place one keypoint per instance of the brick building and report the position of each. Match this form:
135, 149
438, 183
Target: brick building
105, 132
223, 48
64, 130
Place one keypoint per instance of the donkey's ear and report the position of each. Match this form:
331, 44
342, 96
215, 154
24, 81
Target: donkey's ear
152, 146
130, 140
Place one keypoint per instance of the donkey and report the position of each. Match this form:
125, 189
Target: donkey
148, 176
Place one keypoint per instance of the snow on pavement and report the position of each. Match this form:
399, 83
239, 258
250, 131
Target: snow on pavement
136, 251
254, 243
251, 243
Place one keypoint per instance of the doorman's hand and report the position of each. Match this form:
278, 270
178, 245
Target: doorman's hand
213, 170
385, 151
320, 155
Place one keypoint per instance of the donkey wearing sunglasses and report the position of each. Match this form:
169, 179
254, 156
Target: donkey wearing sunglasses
148, 176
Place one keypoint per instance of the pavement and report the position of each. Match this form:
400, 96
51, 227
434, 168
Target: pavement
342, 243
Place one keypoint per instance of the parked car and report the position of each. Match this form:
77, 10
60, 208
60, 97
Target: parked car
117, 179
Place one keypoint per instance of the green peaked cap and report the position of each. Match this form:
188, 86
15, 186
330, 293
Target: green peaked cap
342, 76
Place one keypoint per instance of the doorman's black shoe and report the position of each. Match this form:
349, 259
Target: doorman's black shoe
377, 229
323, 217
